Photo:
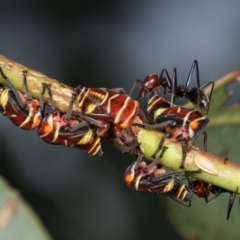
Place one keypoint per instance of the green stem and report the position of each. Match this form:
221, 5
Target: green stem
14, 71
216, 171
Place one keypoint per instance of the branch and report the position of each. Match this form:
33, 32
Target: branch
14, 71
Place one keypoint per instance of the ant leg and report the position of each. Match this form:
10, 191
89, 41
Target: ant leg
230, 203
196, 95
205, 141
183, 204
174, 84
195, 64
164, 93
211, 91
165, 81
214, 197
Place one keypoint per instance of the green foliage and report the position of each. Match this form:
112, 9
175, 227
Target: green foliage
17, 219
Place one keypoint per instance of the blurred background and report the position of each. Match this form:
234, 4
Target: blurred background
105, 44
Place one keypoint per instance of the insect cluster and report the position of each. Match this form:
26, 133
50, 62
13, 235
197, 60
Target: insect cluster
111, 113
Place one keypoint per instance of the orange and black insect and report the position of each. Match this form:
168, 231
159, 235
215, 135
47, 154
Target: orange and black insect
24, 111
107, 107
203, 190
60, 128
187, 125
157, 181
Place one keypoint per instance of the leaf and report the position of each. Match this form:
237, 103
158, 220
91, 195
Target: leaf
202, 220
17, 219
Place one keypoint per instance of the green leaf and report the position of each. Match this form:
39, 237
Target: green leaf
17, 219
202, 220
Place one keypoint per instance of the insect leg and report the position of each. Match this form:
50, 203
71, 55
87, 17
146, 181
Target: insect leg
51, 97
165, 81
155, 161
19, 100
230, 203
89, 119
174, 84
205, 141
160, 145
29, 98
195, 64
41, 100
210, 95
160, 125
184, 153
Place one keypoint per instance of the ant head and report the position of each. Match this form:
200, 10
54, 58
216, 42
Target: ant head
150, 83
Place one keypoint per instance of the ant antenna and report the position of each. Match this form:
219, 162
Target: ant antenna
174, 77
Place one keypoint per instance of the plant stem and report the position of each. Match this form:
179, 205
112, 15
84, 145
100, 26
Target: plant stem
215, 170
14, 71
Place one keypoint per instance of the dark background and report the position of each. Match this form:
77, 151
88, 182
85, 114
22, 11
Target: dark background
109, 44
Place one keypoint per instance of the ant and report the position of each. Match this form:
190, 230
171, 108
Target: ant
195, 95
203, 190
